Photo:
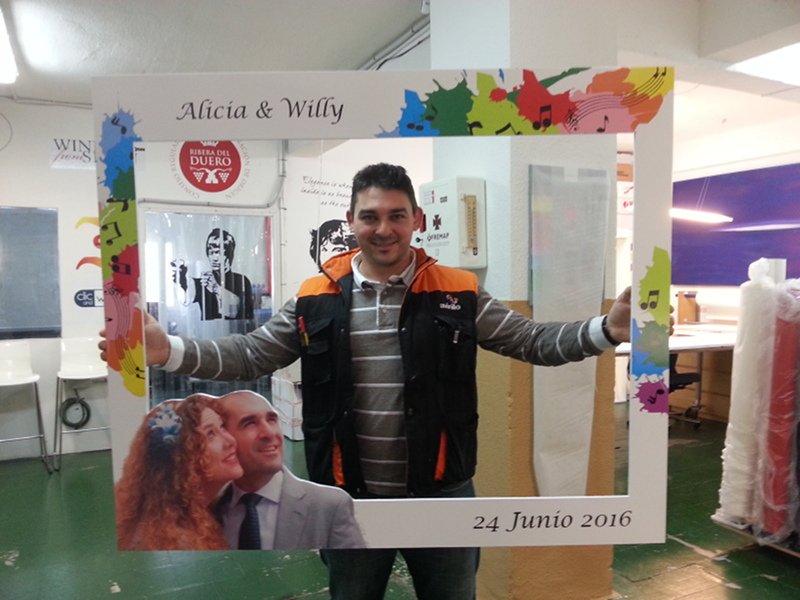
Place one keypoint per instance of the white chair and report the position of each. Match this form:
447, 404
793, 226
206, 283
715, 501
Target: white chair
80, 366
16, 369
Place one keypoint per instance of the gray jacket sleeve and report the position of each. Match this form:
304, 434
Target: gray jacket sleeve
272, 346
276, 344
511, 334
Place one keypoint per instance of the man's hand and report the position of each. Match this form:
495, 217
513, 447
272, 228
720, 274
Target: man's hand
619, 317
179, 271
155, 338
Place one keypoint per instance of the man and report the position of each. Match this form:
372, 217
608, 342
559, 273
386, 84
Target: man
220, 292
388, 342
269, 508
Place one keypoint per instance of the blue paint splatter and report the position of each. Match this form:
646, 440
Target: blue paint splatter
413, 122
116, 141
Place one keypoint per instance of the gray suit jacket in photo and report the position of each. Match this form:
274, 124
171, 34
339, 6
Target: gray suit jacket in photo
310, 516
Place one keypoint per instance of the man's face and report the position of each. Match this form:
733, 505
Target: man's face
254, 425
383, 223
216, 258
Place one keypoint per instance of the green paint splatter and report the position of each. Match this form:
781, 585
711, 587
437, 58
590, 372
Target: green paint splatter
654, 288
123, 186
495, 117
447, 109
564, 74
653, 342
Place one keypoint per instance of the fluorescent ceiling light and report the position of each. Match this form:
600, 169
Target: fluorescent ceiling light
700, 216
763, 227
8, 68
778, 65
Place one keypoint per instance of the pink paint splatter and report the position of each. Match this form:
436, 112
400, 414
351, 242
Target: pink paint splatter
653, 396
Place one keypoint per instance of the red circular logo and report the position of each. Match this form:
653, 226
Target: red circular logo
210, 166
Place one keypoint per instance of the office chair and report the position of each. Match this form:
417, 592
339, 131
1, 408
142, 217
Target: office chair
679, 381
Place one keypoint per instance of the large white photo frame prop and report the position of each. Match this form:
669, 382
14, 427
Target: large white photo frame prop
337, 105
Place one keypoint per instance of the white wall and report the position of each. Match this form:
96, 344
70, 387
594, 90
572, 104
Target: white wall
26, 179
758, 146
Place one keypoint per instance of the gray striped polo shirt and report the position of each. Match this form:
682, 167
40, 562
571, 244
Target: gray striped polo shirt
378, 380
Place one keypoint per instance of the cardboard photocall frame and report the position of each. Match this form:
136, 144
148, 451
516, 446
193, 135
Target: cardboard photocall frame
361, 104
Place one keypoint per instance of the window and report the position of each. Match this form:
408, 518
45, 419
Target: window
29, 299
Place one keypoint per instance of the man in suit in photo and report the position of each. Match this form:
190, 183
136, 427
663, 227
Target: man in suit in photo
269, 508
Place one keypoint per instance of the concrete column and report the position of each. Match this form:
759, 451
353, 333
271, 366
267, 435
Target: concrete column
529, 34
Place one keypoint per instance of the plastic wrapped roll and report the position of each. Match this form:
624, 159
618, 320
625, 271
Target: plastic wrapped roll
750, 383
779, 494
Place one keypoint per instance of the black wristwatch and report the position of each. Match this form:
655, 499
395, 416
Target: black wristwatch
607, 333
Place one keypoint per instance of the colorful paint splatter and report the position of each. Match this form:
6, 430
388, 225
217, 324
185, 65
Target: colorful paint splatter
116, 142
119, 246
650, 337
614, 102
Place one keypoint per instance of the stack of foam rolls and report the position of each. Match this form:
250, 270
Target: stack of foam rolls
759, 489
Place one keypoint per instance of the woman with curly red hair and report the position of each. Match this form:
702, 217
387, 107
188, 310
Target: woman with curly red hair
179, 461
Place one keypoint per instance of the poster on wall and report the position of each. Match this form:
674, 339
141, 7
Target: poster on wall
315, 228
399, 104
209, 274
221, 172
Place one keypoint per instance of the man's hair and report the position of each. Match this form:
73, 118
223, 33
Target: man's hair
228, 242
385, 177
223, 409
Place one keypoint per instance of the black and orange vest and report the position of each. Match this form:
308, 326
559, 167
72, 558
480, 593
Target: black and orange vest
439, 347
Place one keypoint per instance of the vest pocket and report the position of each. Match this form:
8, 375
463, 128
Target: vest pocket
462, 452
456, 349
316, 354
316, 365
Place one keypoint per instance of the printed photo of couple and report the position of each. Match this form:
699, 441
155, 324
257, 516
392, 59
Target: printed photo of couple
208, 473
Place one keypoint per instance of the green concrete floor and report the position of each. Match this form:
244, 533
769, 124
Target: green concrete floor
700, 560
57, 542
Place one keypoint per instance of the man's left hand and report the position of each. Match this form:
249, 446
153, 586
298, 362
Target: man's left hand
619, 317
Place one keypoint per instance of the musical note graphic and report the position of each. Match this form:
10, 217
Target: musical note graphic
605, 124
545, 117
572, 119
474, 125
654, 399
651, 301
122, 129
118, 266
420, 125
505, 128
114, 226
123, 201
